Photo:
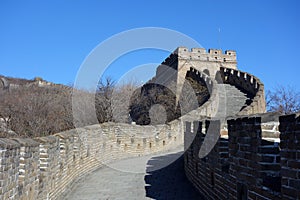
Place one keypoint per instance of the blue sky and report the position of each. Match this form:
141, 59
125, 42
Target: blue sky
51, 39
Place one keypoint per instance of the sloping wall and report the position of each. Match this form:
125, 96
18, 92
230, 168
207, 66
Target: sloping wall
45, 167
248, 84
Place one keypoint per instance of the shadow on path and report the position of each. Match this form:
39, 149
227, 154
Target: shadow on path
169, 182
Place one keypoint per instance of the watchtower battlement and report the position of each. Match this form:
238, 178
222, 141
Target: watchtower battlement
212, 55
178, 63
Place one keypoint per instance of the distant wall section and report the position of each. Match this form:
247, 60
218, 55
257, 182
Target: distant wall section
249, 85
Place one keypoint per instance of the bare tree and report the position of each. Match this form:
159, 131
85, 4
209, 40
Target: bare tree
83, 109
120, 101
103, 100
33, 111
283, 99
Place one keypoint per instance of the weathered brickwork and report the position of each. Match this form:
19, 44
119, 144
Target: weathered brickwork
209, 108
28, 179
218, 67
9, 168
176, 66
46, 167
248, 84
290, 156
245, 166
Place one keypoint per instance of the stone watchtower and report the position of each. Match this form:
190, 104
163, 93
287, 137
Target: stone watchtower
175, 67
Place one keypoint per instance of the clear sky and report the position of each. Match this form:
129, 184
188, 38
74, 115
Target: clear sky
52, 38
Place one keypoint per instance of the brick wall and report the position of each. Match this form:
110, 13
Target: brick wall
46, 167
244, 166
290, 156
9, 168
248, 84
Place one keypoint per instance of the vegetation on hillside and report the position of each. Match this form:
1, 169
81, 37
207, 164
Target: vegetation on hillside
31, 110
36, 111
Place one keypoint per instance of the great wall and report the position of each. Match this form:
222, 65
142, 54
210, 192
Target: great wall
255, 155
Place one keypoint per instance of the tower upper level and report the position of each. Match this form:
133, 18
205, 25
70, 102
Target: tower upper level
212, 55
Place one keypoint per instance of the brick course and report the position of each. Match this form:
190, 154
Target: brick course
46, 167
244, 165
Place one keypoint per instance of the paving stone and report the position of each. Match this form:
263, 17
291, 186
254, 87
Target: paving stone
150, 182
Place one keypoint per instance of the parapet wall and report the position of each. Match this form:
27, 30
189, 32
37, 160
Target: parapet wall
45, 167
290, 156
248, 84
244, 165
213, 55
209, 108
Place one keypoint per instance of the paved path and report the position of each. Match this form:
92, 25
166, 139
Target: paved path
159, 177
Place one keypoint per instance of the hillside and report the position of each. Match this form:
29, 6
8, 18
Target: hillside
33, 107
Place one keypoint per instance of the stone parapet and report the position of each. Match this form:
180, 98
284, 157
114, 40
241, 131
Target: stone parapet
244, 164
46, 167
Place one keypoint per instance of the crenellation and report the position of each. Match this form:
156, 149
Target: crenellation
230, 52
46, 167
200, 54
259, 166
215, 51
198, 50
176, 66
